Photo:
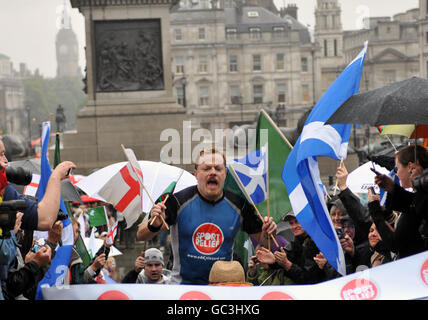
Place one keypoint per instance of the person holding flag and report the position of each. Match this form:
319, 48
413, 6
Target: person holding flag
204, 221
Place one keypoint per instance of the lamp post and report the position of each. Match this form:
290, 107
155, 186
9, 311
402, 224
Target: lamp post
183, 83
27, 108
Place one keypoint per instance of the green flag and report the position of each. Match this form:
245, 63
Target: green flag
278, 150
57, 158
83, 252
97, 216
167, 191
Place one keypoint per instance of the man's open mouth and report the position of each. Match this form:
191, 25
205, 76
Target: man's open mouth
212, 182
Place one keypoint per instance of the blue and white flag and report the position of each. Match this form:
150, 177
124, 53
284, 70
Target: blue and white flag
251, 171
55, 276
301, 174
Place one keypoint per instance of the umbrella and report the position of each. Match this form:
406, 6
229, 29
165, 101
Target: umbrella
362, 178
157, 176
98, 243
408, 130
403, 102
68, 191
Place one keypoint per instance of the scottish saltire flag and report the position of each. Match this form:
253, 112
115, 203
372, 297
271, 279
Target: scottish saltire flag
55, 276
301, 174
251, 171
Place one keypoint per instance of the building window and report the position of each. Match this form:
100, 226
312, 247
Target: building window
178, 35
204, 96
258, 93
278, 32
305, 92
179, 64
233, 63
281, 92
325, 48
180, 95
255, 33
280, 61
231, 34
335, 48
201, 33
304, 63
235, 95
257, 62
203, 64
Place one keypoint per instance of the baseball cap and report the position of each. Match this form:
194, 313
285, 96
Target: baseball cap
153, 255
289, 215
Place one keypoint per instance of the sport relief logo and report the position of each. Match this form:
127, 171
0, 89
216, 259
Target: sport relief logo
424, 272
359, 289
207, 238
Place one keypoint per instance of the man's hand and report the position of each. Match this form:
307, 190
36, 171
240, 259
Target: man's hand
384, 182
18, 221
282, 259
269, 226
252, 266
55, 232
99, 262
341, 176
348, 245
320, 260
139, 264
372, 196
265, 256
158, 211
42, 257
61, 170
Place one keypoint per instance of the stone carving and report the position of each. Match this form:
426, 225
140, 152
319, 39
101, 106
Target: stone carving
128, 55
60, 119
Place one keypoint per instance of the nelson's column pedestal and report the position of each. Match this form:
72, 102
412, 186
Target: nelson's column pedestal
129, 83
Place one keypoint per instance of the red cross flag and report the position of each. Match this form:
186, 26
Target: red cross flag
31, 189
123, 191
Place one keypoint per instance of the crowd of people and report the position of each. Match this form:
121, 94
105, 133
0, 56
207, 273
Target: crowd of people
204, 221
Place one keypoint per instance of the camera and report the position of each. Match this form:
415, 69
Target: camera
8, 211
255, 260
19, 175
421, 183
340, 233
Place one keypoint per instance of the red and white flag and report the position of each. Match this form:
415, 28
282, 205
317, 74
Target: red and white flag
31, 188
123, 191
112, 231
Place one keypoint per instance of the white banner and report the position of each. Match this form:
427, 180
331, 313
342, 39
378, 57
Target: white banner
404, 279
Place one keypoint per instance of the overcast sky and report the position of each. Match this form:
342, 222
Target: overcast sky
28, 28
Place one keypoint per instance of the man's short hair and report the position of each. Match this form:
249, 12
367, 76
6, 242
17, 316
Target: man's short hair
209, 150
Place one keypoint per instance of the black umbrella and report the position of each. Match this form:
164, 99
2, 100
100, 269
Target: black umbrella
68, 191
403, 102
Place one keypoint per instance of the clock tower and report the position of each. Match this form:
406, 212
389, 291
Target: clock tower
67, 50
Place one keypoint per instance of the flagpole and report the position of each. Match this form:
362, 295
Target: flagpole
337, 180
238, 181
267, 185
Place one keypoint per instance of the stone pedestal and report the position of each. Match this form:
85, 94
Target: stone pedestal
128, 82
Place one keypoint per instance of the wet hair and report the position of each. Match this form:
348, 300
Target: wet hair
407, 154
209, 150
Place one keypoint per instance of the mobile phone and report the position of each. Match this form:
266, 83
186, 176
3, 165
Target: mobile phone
69, 172
376, 172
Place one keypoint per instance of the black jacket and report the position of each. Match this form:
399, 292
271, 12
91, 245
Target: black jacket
304, 269
406, 240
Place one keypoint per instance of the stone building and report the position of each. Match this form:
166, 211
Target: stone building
13, 116
232, 58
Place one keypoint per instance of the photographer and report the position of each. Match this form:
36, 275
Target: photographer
406, 239
42, 215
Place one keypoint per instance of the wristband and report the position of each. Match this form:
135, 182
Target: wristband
152, 228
